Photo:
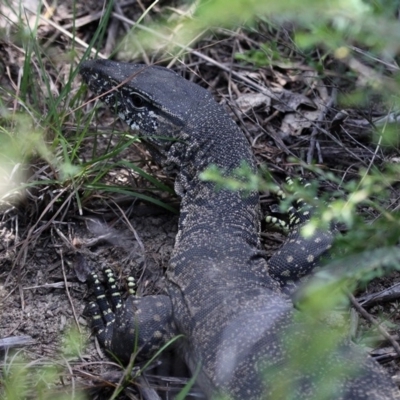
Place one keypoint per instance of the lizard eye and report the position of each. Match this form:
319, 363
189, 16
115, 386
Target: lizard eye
138, 101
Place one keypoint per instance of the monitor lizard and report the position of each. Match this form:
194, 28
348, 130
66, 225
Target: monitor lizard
228, 302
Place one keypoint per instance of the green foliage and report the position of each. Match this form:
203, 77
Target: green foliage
366, 252
185, 391
132, 372
22, 379
310, 352
30, 134
370, 249
343, 275
241, 178
262, 57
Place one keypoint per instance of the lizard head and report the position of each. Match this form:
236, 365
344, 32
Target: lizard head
152, 100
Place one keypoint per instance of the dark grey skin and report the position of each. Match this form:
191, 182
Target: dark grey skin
222, 295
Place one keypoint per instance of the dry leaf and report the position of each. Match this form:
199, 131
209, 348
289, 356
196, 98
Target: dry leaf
294, 123
289, 101
248, 101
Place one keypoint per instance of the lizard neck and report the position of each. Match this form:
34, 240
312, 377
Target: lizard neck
218, 229
210, 137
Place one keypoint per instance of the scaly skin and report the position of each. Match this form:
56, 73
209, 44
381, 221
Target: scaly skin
222, 295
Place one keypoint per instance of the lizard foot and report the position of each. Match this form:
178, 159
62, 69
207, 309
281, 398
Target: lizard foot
139, 325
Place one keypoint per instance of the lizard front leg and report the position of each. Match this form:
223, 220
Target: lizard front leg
140, 325
299, 255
